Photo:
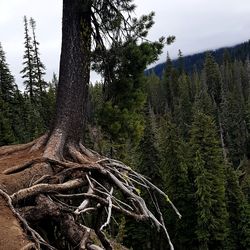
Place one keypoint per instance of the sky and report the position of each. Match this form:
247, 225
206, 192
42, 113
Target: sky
197, 24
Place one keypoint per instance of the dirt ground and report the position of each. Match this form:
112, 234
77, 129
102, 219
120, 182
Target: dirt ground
12, 236
10, 229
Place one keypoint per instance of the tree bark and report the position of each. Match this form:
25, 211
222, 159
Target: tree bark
74, 70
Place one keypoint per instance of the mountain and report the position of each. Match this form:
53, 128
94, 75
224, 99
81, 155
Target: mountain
237, 52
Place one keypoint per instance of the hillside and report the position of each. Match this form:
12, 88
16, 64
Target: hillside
239, 52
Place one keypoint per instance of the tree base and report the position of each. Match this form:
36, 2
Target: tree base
48, 193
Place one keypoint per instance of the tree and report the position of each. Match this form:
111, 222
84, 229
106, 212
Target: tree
39, 66
140, 236
239, 213
208, 176
174, 172
6, 131
28, 70
7, 84
125, 96
57, 165
8, 93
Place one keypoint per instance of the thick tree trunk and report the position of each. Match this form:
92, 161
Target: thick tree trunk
74, 70
51, 181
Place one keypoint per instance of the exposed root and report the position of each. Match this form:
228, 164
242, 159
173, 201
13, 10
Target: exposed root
40, 143
83, 182
36, 237
36, 144
78, 156
30, 246
19, 168
55, 146
45, 188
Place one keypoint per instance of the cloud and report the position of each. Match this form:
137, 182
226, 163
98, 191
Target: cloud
197, 24
47, 15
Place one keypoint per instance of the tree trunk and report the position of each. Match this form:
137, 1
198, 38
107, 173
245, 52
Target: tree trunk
74, 72
49, 182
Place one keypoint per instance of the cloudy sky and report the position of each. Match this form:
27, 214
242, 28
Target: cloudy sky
197, 24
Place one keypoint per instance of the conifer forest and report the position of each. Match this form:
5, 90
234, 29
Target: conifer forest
142, 159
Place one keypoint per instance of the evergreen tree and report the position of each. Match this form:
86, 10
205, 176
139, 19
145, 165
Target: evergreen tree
180, 62
170, 86
239, 213
39, 66
6, 131
7, 84
183, 110
149, 164
155, 94
28, 72
150, 156
234, 125
174, 172
121, 118
213, 79
8, 91
208, 176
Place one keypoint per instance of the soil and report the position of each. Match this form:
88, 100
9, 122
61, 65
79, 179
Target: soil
12, 236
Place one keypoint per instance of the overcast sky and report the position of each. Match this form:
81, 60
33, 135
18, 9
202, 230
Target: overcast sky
197, 24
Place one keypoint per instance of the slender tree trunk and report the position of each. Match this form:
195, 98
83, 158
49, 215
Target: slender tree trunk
73, 76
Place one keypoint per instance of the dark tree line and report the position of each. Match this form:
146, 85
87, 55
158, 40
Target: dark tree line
194, 142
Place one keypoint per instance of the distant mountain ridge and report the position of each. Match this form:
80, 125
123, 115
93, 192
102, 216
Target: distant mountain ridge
240, 52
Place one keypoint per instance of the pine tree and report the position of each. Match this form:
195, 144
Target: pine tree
180, 62
7, 84
124, 95
149, 164
213, 78
239, 213
6, 131
28, 72
155, 93
208, 176
183, 109
170, 86
174, 172
234, 125
150, 158
8, 90
39, 71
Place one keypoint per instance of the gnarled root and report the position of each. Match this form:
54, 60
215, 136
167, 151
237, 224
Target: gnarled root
80, 183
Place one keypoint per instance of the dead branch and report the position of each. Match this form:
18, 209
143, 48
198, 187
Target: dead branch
85, 203
109, 209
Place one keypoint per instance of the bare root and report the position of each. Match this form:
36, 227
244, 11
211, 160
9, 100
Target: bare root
33, 145
84, 183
